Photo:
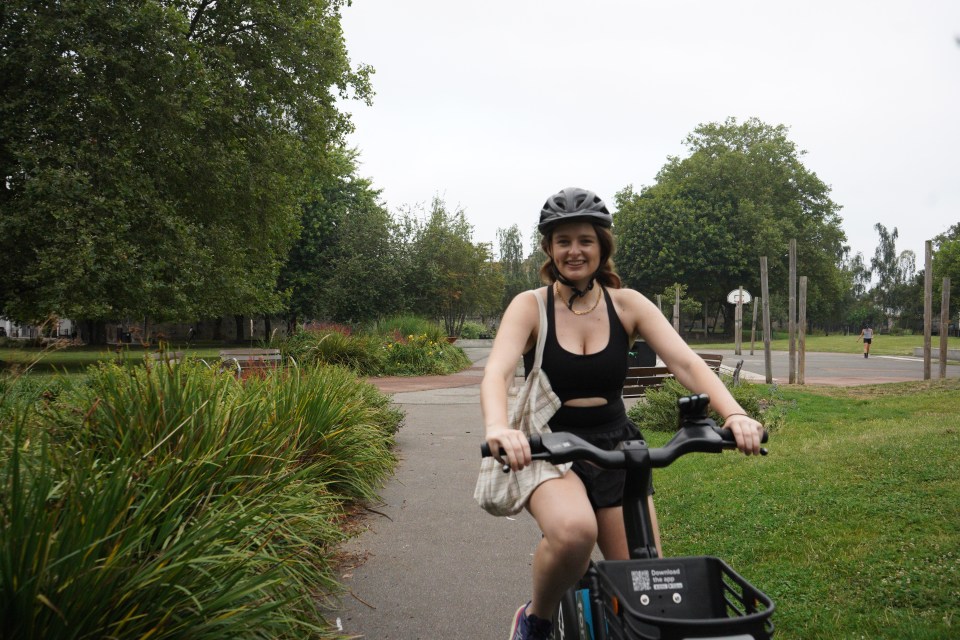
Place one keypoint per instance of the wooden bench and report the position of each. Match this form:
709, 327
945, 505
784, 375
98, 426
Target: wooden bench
249, 361
170, 357
639, 379
713, 360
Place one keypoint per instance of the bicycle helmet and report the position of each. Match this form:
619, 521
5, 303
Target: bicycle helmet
572, 204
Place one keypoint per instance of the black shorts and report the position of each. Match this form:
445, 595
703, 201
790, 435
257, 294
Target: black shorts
867, 340
604, 486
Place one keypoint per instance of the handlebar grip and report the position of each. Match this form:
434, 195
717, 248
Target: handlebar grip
485, 453
536, 447
727, 437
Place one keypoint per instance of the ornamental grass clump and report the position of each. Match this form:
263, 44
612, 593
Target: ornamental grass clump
175, 501
358, 352
409, 325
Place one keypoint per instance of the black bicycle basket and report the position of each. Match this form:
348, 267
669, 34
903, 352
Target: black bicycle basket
679, 598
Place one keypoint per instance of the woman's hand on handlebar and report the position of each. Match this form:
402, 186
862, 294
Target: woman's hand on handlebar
746, 431
509, 446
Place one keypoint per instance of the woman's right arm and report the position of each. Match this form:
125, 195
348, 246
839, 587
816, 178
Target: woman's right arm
515, 336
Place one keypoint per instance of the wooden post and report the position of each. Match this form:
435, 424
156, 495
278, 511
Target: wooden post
676, 309
944, 326
927, 307
802, 321
765, 294
753, 326
792, 311
738, 323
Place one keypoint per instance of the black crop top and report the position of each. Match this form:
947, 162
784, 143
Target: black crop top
594, 375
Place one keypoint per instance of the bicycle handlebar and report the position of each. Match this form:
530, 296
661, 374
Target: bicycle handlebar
697, 434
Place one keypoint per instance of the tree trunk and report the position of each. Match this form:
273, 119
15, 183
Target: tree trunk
93, 332
239, 321
266, 329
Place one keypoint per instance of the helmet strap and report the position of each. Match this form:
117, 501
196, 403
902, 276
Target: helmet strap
576, 293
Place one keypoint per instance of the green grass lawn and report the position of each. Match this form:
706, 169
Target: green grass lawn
76, 359
882, 345
851, 524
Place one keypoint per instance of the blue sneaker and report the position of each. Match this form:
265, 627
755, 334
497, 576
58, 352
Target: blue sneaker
529, 627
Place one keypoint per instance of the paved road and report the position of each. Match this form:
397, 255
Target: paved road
841, 369
435, 565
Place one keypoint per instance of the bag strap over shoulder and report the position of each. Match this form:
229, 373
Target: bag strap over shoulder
541, 332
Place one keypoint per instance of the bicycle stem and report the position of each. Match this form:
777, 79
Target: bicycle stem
636, 509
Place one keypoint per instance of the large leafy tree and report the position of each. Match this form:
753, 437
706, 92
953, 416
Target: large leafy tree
741, 193
512, 257
898, 292
156, 153
946, 264
345, 266
450, 276
856, 307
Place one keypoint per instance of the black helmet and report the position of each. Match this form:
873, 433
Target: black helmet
573, 204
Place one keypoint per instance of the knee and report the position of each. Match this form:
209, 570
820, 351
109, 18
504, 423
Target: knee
573, 533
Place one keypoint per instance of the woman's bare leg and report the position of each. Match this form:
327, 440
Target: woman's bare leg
569, 527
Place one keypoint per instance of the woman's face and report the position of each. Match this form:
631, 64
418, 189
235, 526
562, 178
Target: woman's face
575, 250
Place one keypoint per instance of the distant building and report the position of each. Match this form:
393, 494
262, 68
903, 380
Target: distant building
59, 329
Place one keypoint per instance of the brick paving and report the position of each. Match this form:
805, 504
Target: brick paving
403, 384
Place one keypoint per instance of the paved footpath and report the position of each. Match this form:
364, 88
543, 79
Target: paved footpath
434, 565
431, 564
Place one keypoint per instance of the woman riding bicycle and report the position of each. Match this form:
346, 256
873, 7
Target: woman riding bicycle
591, 323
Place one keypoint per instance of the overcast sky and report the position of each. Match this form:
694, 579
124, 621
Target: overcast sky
495, 104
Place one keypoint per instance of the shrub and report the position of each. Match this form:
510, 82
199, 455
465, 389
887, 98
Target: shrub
172, 502
659, 412
474, 331
392, 354
422, 355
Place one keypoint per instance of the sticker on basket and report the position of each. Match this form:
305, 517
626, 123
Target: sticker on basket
657, 579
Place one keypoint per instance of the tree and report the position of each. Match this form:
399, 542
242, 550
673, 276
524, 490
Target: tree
742, 193
886, 267
511, 263
345, 265
898, 293
155, 154
855, 307
857, 273
451, 276
946, 264
533, 262
689, 308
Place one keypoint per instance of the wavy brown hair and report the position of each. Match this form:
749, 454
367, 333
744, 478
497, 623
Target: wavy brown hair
606, 274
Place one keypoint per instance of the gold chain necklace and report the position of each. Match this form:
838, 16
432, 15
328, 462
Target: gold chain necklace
556, 287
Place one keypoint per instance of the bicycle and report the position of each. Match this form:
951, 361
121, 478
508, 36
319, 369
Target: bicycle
646, 597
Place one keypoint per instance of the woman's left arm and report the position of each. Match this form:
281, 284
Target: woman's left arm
690, 370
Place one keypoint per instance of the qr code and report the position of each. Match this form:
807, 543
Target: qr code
641, 580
